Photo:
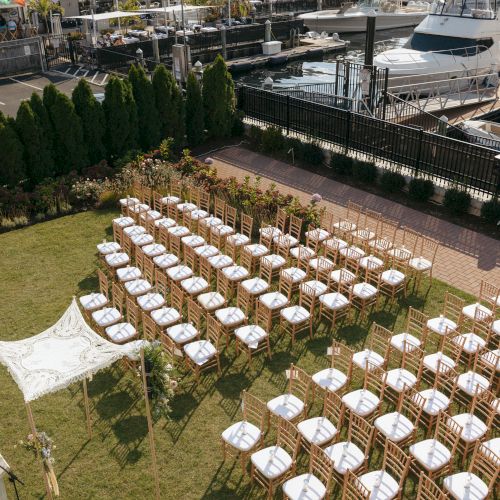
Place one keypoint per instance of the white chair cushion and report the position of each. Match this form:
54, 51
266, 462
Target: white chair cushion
330, 379
206, 251
153, 250
402, 340
220, 261
394, 426
345, 456
179, 273
318, 287
420, 264
360, 358
276, 261
287, 406
194, 285
270, 231
345, 225
304, 487
137, 287
274, 300
441, 325
151, 215
251, 335
242, 435
186, 207
200, 351
317, 234
317, 430
170, 200
363, 234
139, 208
235, 273
166, 260
142, 239
495, 327
364, 291
272, 462
353, 253
257, 250
473, 428
128, 273
295, 314
198, 214
398, 378
304, 251
470, 382
211, 300
431, 454
165, 316
150, 301
108, 247
121, 333
193, 241
362, 402
238, 239
335, 243
182, 333
165, 222
295, 274
254, 286
380, 484
291, 240
222, 230
123, 221
470, 310
93, 301
370, 261
472, 342
334, 301
347, 276
106, 316
179, 231
134, 230
129, 201
392, 277
210, 221
431, 362
465, 485
326, 263
117, 259
230, 316
435, 401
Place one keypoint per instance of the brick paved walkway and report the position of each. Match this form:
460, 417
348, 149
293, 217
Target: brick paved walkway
464, 258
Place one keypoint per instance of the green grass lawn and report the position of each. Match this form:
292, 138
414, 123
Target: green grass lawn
42, 267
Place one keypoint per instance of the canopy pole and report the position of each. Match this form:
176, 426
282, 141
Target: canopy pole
150, 427
33, 431
87, 409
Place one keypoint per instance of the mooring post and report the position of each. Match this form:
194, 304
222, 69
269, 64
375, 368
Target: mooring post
267, 33
223, 41
371, 20
156, 48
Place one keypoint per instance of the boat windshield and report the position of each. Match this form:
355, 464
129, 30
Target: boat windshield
449, 45
480, 9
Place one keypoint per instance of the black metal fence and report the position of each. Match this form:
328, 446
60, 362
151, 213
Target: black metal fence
59, 49
444, 158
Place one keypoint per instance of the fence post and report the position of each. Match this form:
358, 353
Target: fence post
348, 131
419, 150
287, 115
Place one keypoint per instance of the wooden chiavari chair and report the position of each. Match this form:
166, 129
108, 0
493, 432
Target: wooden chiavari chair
450, 318
367, 230
292, 236
422, 263
290, 279
235, 242
298, 318
385, 238
167, 315
334, 306
337, 377
377, 351
111, 314
242, 438
394, 280
476, 337
273, 465
353, 489
95, 301
414, 334
346, 225
317, 235
428, 489
123, 332
486, 305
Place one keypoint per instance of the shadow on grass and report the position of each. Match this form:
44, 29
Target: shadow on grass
88, 284
114, 405
232, 384
131, 429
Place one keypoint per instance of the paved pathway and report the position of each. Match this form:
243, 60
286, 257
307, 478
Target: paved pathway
464, 258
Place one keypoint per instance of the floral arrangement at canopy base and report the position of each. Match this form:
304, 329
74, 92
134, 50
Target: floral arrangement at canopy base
41, 445
159, 381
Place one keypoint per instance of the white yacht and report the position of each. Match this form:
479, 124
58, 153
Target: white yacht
482, 132
351, 18
458, 39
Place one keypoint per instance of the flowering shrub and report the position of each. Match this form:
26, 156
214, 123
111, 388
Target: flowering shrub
87, 192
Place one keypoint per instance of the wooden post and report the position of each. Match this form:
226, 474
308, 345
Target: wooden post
33, 431
87, 409
150, 427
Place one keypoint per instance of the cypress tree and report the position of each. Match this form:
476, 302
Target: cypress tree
50, 94
218, 99
195, 116
92, 117
144, 96
3, 118
43, 119
121, 117
37, 154
12, 167
70, 149
170, 105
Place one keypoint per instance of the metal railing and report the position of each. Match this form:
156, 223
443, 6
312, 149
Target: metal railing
444, 159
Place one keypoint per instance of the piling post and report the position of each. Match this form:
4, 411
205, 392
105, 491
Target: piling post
267, 33
223, 41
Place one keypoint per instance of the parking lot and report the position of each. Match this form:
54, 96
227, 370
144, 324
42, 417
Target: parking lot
15, 89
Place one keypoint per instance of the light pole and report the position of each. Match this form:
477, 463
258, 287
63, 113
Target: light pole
229, 13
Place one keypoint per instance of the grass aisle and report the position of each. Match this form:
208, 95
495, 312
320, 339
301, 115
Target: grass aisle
42, 267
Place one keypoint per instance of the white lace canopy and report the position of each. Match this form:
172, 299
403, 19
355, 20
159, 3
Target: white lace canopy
66, 352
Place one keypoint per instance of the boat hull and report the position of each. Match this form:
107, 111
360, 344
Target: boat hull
356, 22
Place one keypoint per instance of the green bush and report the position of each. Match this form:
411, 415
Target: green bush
298, 148
255, 136
365, 172
341, 164
392, 182
109, 199
238, 129
273, 140
7, 223
312, 153
421, 189
490, 211
457, 201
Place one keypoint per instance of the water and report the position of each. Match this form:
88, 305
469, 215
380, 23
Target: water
303, 72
